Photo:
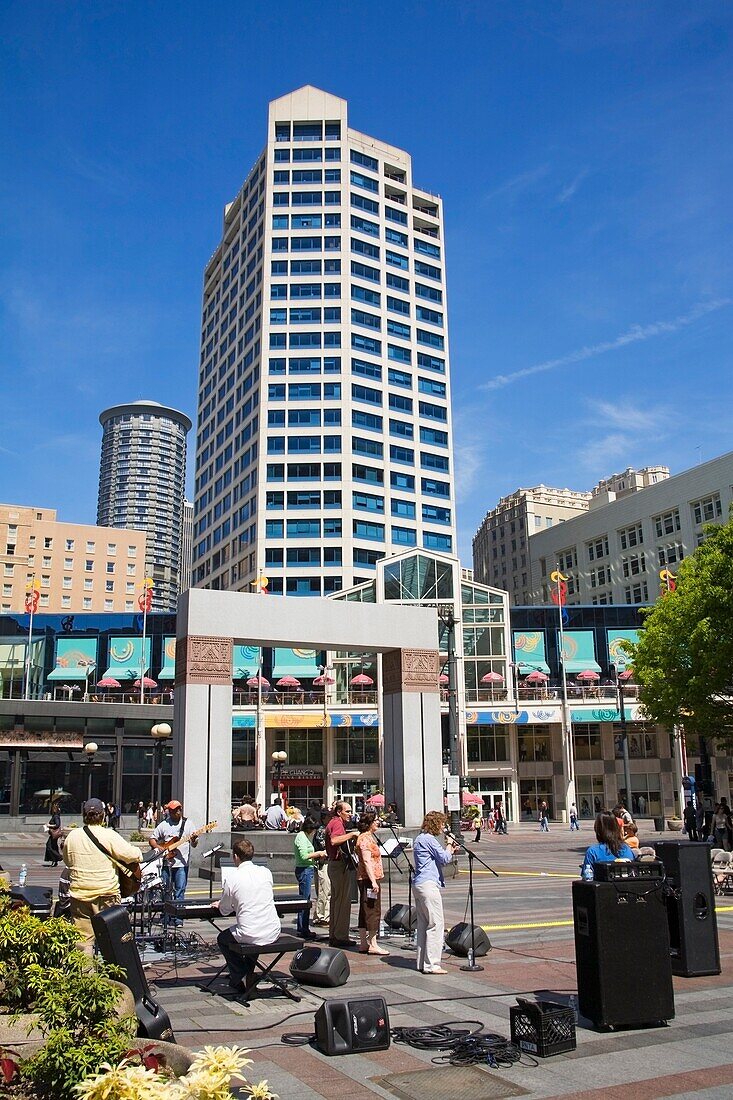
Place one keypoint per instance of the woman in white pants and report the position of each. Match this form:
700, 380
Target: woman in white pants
430, 856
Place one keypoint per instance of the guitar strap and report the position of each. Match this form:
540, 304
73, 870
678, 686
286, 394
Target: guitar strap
126, 868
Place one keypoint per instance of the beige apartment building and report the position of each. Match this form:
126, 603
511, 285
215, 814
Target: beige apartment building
77, 567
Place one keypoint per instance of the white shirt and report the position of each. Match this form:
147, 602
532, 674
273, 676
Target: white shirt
249, 894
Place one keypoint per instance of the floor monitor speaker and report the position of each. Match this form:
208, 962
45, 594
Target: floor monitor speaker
116, 942
352, 1027
459, 940
622, 953
313, 965
401, 916
690, 899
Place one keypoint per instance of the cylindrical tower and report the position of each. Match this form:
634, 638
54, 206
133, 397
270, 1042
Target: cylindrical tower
142, 478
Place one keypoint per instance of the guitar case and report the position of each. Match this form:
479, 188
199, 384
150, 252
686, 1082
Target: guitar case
116, 942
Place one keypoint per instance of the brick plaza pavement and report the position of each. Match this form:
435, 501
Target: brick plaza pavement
528, 915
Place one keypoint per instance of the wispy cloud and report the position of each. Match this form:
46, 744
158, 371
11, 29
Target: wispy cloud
635, 335
569, 189
628, 417
517, 184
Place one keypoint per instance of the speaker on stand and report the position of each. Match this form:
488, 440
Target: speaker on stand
690, 900
352, 1027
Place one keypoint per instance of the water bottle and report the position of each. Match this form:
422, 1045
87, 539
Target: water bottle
574, 1006
471, 959
588, 872
22, 875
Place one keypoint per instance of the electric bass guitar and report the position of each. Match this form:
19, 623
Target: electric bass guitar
168, 847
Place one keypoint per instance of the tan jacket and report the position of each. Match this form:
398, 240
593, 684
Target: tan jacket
92, 874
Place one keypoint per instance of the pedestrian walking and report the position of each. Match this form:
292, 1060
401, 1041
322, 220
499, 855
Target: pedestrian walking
52, 854
574, 824
544, 817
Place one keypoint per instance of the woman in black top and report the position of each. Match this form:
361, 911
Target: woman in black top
52, 854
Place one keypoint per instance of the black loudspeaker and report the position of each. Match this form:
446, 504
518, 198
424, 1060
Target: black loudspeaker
459, 940
622, 953
37, 898
401, 916
320, 966
693, 927
116, 942
352, 1027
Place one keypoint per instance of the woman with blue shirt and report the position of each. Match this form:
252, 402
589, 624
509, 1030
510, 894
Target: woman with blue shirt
611, 845
430, 857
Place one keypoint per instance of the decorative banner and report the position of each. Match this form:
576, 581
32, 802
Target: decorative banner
168, 671
32, 596
669, 581
301, 663
559, 593
245, 661
126, 659
145, 599
260, 585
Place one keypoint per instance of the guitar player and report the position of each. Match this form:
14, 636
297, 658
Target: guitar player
175, 866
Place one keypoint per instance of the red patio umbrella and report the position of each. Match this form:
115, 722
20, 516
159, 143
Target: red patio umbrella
287, 682
108, 682
321, 681
362, 680
253, 681
587, 674
444, 679
536, 677
492, 678
147, 682
626, 674
375, 800
471, 798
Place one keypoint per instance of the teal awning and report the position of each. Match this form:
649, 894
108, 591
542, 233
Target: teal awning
301, 663
126, 658
529, 652
579, 652
168, 671
245, 660
573, 665
74, 658
616, 647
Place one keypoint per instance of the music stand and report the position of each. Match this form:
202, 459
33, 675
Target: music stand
391, 854
210, 856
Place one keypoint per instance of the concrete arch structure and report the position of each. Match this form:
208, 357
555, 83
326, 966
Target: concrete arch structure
209, 623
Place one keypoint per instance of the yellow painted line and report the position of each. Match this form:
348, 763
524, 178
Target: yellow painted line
524, 874
528, 924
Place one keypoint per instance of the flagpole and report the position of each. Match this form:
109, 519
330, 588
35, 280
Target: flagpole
567, 732
31, 598
147, 591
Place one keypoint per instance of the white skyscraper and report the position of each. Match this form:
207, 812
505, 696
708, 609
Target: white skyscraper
324, 428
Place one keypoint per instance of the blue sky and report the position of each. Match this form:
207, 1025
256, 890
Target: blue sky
583, 152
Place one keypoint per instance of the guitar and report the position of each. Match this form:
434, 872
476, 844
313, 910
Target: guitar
169, 846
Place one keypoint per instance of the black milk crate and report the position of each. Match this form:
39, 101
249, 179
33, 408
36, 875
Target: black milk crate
542, 1027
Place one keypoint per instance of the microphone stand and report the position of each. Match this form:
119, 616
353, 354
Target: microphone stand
472, 965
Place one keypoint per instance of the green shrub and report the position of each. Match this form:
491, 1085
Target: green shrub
68, 1057
25, 942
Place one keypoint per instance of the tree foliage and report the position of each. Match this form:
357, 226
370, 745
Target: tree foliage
684, 658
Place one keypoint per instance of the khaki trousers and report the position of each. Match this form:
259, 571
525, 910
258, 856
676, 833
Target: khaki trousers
430, 925
82, 913
323, 889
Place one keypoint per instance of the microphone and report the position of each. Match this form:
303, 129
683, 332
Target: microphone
449, 834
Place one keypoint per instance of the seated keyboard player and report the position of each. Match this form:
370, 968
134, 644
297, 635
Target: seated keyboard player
248, 892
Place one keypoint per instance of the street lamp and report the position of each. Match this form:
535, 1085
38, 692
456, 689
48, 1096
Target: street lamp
90, 749
278, 759
448, 619
160, 733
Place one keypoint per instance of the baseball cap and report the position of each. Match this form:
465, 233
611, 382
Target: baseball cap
93, 806
174, 805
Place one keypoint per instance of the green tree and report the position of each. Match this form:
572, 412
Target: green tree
684, 657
